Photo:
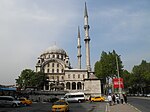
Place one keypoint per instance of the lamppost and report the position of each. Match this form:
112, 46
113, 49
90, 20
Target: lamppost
118, 75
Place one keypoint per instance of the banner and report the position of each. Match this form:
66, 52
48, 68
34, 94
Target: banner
118, 83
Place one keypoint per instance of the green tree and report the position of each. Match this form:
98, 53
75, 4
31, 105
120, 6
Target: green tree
141, 74
29, 78
107, 65
106, 68
24, 79
38, 79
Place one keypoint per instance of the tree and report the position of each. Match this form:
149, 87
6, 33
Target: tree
141, 74
107, 66
24, 79
38, 79
29, 78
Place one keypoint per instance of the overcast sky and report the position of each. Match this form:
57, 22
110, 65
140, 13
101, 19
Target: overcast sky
29, 27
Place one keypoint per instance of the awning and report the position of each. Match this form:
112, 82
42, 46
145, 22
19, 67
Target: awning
8, 89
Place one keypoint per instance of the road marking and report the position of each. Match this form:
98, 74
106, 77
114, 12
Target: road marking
134, 107
107, 108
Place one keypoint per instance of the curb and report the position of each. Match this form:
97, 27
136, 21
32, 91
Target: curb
134, 107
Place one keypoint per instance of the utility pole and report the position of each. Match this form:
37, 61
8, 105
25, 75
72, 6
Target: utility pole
118, 74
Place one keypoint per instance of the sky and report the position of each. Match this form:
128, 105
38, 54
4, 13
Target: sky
29, 27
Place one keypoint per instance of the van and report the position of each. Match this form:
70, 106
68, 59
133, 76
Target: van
9, 101
74, 97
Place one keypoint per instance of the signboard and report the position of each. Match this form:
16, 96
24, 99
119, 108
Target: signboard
118, 83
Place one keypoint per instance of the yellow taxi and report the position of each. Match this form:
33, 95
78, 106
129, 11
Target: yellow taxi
97, 98
25, 101
60, 106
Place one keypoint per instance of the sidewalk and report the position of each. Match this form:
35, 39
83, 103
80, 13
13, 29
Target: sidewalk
121, 108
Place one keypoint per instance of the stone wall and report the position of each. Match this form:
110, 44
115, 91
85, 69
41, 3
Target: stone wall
92, 87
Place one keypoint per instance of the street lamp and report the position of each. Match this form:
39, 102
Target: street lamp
118, 74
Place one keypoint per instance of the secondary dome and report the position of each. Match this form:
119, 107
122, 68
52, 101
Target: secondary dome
55, 50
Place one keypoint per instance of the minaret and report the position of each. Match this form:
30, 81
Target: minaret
79, 50
87, 39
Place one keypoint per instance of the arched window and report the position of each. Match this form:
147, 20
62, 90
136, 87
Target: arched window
79, 85
83, 76
47, 70
52, 70
63, 86
74, 76
68, 76
73, 86
78, 75
52, 64
61, 57
57, 70
57, 64
68, 85
57, 56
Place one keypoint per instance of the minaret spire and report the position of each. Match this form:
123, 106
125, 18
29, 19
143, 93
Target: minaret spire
85, 11
79, 49
87, 39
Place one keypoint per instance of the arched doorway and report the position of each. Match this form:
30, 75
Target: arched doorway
68, 85
73, 86
79, 85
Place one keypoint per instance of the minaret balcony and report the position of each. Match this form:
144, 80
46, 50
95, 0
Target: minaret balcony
87, 39
79, 46
86, 26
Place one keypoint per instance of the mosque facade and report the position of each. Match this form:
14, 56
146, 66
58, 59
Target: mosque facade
60, 76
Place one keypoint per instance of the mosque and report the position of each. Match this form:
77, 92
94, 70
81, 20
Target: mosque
60, 76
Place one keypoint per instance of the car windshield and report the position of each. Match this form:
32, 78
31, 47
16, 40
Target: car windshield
59, 103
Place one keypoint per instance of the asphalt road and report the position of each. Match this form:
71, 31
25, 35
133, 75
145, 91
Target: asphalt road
141, 103
46, 107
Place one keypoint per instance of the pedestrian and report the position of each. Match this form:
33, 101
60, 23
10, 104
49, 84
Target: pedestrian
125, 98
117, 98
90, 98
121, 98
113, 99
110, 99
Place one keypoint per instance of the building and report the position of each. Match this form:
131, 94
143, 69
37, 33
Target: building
54, 61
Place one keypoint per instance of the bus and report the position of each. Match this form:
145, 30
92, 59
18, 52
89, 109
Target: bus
74, 97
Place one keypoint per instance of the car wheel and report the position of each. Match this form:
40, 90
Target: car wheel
14, 105
25, 104
79, 101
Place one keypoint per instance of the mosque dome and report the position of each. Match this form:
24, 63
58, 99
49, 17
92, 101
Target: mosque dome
54, 50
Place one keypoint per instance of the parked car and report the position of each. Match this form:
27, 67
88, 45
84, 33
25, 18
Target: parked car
60, 106
9, 101
97, 98
148, 95
25, 101
74, 97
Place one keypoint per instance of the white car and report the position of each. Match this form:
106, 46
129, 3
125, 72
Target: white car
148, 95
9, 101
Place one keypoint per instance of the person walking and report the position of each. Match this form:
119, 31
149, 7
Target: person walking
110, 99
90, 98
121, 98
125, 98
114, 99
117, 98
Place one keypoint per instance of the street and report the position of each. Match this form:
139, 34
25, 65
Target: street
141, 103
46, 107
